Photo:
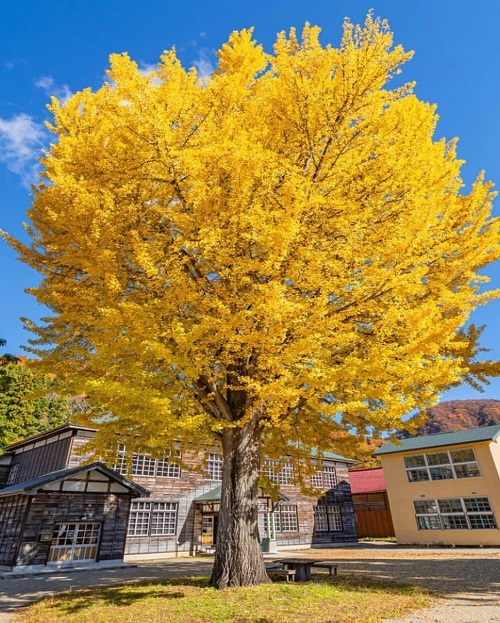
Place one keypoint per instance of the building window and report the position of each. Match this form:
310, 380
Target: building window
285, 518
326, 479
442, 465
166, 469
144, 465
279, 472
214, 466
455, 514
327, 518
13, 474
139, 519
152, 519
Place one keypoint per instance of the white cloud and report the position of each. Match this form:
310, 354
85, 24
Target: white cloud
205, 63
147, 68
49, 87
21, 143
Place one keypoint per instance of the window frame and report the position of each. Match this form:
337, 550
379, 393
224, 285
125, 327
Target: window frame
12, 477
327, 518
286, 519
144, 466
427, 467
455, 514
144, 519
214, 466
281, 472
324, 478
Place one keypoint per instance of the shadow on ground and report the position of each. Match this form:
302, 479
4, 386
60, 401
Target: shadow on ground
450, 577
133, 593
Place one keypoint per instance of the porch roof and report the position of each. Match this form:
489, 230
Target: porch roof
30, 487
214, 495
210, 496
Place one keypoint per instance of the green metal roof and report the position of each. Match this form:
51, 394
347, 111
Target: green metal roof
210, 496
331, 456
459, 437
215, 494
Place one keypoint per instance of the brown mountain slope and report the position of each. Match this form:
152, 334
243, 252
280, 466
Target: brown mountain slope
454, 415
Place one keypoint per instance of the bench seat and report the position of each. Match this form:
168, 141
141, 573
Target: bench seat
332, 567
281, 574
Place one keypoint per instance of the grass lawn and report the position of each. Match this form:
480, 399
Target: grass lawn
191, 600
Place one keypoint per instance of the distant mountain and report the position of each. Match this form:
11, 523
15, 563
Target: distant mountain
452, 415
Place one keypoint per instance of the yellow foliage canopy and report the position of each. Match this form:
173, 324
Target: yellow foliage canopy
283, 242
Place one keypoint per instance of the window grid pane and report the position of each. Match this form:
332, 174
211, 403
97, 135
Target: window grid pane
282, 473
214, 466
455, 514
325, 479
138, 523
13, 474
416, 460
168, 470
320, 519
477, 505
286, 475
429, 522
442, 465
327, 518
121, 462
334, 518
482, 522
143, 465
438, 458
418, 475
463, 456
286, 518
152, 518
453, 505
163, 518
454, 522
467, 470
441, 473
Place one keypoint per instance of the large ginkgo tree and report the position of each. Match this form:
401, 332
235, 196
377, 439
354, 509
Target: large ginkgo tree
260, 260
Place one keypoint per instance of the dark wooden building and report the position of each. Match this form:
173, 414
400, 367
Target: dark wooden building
371, 504
66, 516
180, 514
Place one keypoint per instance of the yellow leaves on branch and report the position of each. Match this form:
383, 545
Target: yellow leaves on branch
283, 240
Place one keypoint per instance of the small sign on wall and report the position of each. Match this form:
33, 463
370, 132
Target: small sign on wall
45, 537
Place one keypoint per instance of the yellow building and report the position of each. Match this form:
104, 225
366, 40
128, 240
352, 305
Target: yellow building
445, 488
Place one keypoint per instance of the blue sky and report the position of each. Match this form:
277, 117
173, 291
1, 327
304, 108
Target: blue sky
62, 46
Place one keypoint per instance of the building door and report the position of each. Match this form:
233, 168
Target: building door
74, 541
209, 529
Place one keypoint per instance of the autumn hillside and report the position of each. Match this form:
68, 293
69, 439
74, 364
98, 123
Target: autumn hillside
459, 415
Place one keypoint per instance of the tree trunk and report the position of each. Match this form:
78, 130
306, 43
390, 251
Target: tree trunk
238, 554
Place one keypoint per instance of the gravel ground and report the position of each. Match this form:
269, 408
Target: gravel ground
467, 580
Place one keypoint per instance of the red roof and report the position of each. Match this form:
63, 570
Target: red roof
367, 480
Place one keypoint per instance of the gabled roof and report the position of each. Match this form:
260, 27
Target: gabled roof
31, 487
54, 431
367, 480
459, 437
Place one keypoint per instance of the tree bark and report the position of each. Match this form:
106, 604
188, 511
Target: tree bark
238, 554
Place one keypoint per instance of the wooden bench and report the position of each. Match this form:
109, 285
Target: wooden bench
332, 567
281, 574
